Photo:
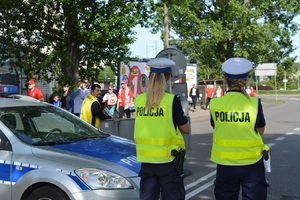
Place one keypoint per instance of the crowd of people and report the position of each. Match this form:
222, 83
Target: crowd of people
121, 102
86, 101
210, 93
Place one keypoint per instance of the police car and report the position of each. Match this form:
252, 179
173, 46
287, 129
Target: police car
48, 153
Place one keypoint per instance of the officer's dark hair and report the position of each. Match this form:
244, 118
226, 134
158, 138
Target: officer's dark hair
94, 86
237, 84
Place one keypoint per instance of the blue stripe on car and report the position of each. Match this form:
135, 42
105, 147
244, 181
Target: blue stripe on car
112, 149
19, 169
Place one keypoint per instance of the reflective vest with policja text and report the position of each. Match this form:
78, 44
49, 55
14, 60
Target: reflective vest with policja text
235, 141
154, 132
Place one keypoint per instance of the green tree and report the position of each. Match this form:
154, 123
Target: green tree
212, 31
69, 38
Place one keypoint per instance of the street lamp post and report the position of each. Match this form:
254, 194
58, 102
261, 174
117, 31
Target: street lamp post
298, 75
147, 50
284, 80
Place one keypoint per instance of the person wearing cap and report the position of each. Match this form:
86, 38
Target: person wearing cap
125, 100
33, 91
238, 148
159, 125
67, 98
91, 110
110, 99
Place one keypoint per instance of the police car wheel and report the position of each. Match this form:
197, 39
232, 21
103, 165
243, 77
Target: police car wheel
48, 193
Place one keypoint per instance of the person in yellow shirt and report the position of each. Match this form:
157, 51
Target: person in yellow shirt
159, 125
238, 148
91, 110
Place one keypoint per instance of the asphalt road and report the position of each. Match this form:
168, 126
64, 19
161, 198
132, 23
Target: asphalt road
282, 134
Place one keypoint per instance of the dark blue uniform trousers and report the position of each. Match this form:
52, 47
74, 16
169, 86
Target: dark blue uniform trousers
251, 178
161, 179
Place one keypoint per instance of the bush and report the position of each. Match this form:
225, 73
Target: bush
289, 92
266, 87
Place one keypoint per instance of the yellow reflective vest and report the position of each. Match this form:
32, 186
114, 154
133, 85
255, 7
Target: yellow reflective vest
235, 141
154, 132
86, 111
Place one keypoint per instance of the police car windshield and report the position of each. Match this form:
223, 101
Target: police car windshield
46, 124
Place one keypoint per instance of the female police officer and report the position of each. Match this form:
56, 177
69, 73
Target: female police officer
158, 126
238, 147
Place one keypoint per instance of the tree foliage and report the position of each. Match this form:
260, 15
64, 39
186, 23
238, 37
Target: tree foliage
210, 32
70, 38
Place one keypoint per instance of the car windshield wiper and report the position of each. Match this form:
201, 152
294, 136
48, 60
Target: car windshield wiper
103, 134
88, 137
51, 143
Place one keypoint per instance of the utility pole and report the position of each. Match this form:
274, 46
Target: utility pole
284, 80
298, 65
166, 26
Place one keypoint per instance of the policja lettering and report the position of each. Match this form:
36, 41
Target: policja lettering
232, 116
156, 112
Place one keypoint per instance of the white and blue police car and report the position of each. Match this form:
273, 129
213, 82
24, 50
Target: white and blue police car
48, 153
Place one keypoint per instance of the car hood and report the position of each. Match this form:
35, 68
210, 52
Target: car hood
113, 149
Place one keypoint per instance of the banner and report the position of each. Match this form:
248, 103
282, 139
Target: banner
132, 73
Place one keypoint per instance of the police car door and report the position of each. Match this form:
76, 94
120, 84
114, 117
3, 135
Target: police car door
5, 164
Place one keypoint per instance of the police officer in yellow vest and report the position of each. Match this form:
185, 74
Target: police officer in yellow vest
159, 125
238, 123
91, 110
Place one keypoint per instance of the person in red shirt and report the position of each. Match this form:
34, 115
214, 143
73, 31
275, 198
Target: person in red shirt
209, 93
253, 92
125, 100
34, 91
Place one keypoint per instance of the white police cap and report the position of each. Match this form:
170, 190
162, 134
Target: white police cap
237, 67
161, 65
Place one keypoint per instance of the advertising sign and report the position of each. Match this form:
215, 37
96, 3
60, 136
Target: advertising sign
132, 73
191, 77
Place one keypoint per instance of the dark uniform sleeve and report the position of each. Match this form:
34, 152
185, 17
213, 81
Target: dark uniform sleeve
260, 121
212, 123
98, 111
179, 118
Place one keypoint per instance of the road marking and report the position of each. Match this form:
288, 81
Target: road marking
198, 190
204, 178
271, 144
280, 138
289, 133
211, 182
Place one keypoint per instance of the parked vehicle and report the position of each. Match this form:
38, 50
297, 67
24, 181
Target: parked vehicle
48, 153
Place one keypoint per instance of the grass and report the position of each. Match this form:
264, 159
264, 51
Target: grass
280, 92
273, 101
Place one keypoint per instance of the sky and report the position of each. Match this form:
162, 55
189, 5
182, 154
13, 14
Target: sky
149, 45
